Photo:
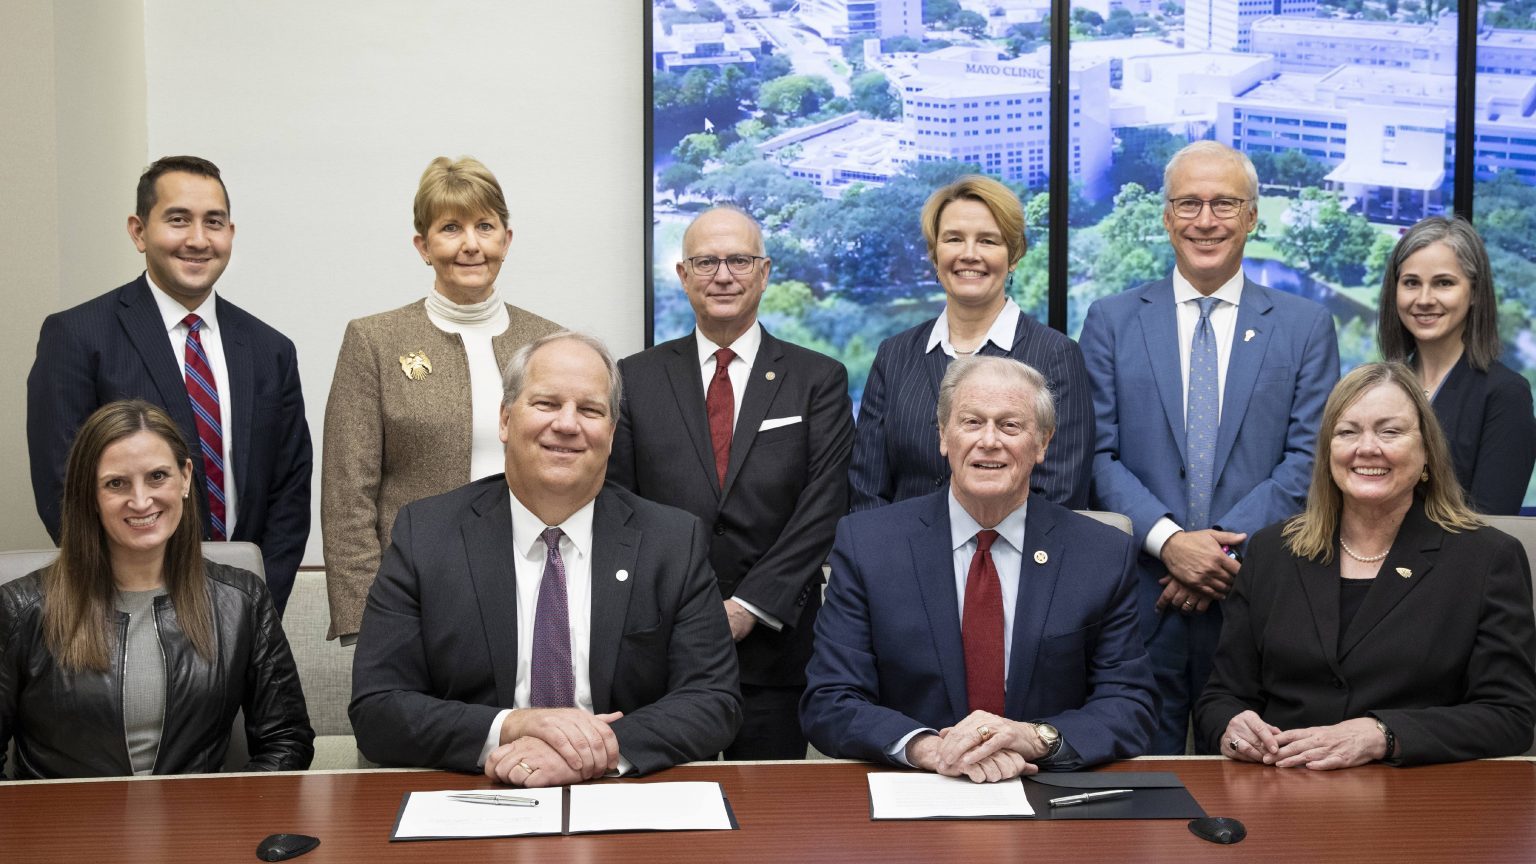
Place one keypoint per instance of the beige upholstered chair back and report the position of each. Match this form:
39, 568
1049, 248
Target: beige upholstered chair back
1116, 520
1522, 528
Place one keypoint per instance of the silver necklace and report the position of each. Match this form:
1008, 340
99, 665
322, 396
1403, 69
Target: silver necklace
1363, 559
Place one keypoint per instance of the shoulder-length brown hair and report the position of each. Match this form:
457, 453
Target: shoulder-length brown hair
1311, 533
1480, 335
77, 588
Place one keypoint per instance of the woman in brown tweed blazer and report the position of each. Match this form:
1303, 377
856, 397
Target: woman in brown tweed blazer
415, 400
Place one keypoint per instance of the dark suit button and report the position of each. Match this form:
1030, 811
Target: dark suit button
719, 529
1181, 473
938, 481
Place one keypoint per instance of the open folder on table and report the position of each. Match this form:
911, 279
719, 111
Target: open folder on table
607, 807
907, 795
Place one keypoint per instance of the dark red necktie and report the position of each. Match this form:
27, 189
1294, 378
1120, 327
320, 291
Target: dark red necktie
720, 403
203, 391
981, 629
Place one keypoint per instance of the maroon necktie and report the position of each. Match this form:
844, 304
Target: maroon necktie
203, 391
981, 629
720, 403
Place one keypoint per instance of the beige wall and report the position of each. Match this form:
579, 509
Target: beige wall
73, 101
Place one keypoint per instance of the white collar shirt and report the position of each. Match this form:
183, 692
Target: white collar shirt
1007, 557
1000, 333
740, 370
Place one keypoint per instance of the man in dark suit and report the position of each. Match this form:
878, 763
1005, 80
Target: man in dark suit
229, 381
757, 448
981, 631
541, 624
1208, 389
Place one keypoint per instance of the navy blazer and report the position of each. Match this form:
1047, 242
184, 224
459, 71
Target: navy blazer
1491, 432
1442, 655
771, 526
115, 347
889, 658
437, 654
1283, 365
896, 445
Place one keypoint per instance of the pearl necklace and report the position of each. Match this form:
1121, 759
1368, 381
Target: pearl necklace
1363, 559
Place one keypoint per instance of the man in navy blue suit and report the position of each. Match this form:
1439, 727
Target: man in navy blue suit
159, 337
980, 631
1208, 389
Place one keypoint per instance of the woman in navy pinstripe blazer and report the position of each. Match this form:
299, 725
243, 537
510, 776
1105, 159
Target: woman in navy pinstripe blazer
975, 233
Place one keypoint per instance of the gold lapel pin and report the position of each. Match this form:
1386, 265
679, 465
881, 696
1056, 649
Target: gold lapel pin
1248, 336
415, 365
1404, 572
769, 375
1041, 557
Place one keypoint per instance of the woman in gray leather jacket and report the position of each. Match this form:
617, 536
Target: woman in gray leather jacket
131, 654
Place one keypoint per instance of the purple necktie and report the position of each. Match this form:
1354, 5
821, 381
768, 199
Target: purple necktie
553, 682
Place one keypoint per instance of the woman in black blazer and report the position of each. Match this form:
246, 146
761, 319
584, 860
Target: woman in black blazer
1385, 622
1439, 314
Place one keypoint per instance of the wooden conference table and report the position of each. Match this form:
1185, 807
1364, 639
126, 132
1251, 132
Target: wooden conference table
794, 812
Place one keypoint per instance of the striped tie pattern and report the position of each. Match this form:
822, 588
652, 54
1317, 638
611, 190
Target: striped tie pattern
552, 681
1201, 420
203, 391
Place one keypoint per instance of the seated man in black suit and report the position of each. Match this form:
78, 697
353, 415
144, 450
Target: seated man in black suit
230, 381
540, 624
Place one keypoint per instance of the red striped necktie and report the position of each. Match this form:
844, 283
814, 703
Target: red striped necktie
203, 391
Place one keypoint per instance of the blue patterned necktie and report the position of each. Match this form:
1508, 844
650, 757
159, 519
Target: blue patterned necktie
552, 682
1201, 419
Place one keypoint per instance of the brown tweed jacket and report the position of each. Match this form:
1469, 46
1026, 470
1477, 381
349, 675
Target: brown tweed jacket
391, 439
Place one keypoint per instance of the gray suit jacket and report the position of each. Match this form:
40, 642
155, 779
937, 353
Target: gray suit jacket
437, 655
390, 440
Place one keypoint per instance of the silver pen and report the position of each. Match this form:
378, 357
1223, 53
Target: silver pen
493, 798
1085, 797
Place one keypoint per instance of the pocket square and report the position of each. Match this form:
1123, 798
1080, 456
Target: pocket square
774, 424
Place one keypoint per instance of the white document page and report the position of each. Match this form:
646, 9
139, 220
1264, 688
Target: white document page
434, 814
895, 795
648, 807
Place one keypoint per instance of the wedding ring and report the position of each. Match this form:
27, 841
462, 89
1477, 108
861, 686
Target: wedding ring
984, 731
526, 767
1189, 604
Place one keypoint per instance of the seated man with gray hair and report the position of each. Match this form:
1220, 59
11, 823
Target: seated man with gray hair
539, 624
977, 631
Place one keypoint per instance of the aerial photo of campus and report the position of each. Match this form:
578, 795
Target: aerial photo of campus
832, 120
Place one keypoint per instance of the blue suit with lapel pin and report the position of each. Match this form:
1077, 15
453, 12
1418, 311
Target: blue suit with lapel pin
1284, 361
889, 657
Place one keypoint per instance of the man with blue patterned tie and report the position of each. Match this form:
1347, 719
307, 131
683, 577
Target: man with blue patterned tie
1208, 388
229, 381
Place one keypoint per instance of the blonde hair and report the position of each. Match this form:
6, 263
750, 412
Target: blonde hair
1311, 533
463, 186
1006, 209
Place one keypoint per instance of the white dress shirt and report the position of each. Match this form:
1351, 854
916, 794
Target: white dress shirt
1224, 326
740, 372
171, 314
999, 334
528, 563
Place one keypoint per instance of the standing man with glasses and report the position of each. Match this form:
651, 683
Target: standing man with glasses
229, 381
752, 435
1208, 390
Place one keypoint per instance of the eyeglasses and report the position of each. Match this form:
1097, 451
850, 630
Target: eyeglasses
1221, 208
706, 265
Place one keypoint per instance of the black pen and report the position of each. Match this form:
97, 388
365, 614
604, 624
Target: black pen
1086, 797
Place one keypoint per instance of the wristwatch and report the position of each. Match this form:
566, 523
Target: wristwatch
1050, 738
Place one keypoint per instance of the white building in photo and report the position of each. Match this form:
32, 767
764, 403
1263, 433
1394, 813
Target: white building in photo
1226, 25
704, 44
840, 20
